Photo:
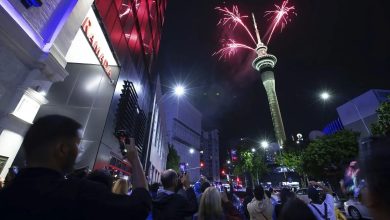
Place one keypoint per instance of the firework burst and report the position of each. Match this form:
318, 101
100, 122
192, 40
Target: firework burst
280, 17
230, 48
232, 18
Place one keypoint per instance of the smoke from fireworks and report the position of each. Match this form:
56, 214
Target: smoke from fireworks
280, 17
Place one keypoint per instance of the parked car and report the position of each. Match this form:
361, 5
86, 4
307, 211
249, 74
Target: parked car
356, 210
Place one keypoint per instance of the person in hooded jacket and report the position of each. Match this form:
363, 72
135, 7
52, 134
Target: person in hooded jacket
260, 208
170, 205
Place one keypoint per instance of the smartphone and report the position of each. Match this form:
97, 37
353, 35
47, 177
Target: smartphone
183, 168
15, 169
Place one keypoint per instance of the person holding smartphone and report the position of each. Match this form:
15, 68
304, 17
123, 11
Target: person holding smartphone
41, 191
322, 210
173, 202
260, 208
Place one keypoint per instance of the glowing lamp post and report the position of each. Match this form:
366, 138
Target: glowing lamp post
179, 90
264, 144
324, 96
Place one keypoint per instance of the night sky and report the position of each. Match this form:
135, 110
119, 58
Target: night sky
330, 45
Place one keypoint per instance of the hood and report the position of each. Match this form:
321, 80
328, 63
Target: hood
256, 206
264, 206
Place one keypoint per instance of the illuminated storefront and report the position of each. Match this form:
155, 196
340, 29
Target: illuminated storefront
97, 48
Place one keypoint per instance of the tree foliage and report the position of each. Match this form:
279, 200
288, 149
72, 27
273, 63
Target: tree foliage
173, 159
291, 157
329, 155
291, 160
250, 162
382, 126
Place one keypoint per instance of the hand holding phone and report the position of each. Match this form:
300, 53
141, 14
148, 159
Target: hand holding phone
185, 180
132, 152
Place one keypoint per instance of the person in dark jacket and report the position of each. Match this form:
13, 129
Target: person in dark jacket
229, 210
41, 190
248, 198
285, 195
102, 177
296, 209
374, 154
153, 189
170, 205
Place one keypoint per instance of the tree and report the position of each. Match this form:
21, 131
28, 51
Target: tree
291, 157
329, 155
251, 163
382, 127
173, 159
291, 160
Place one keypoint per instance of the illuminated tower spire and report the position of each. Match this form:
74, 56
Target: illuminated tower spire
264, 63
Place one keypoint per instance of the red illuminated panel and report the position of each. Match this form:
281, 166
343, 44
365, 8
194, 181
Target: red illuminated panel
116, 34
134, 24
103, 6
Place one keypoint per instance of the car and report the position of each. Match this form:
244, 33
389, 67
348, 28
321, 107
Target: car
356, 210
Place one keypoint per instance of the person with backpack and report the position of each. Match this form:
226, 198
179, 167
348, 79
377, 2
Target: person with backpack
323, 210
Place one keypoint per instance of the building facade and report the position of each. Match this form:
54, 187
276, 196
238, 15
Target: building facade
359, 113
83, 59
158, 138
184, 128
333, 127
210, 155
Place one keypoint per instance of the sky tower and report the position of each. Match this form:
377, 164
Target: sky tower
264, 63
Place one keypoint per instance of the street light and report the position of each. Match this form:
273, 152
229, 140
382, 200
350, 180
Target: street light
325, 95
192, 150
179, 90
264, 144
253, 150
228, 162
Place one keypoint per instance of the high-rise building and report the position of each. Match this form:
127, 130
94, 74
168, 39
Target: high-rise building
210, 155
89, 60
184, 128
158, 150
359, 113
264, 63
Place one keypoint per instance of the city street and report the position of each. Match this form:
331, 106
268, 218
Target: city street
195, 109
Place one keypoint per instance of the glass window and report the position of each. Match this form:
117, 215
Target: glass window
128, 23
110, 19
103, 6
116, 34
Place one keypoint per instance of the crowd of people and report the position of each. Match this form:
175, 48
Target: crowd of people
45, 190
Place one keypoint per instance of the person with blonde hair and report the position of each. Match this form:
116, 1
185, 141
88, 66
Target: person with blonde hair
120, 187
210, 207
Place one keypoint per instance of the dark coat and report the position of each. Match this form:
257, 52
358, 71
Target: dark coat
174, 206
40, 193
